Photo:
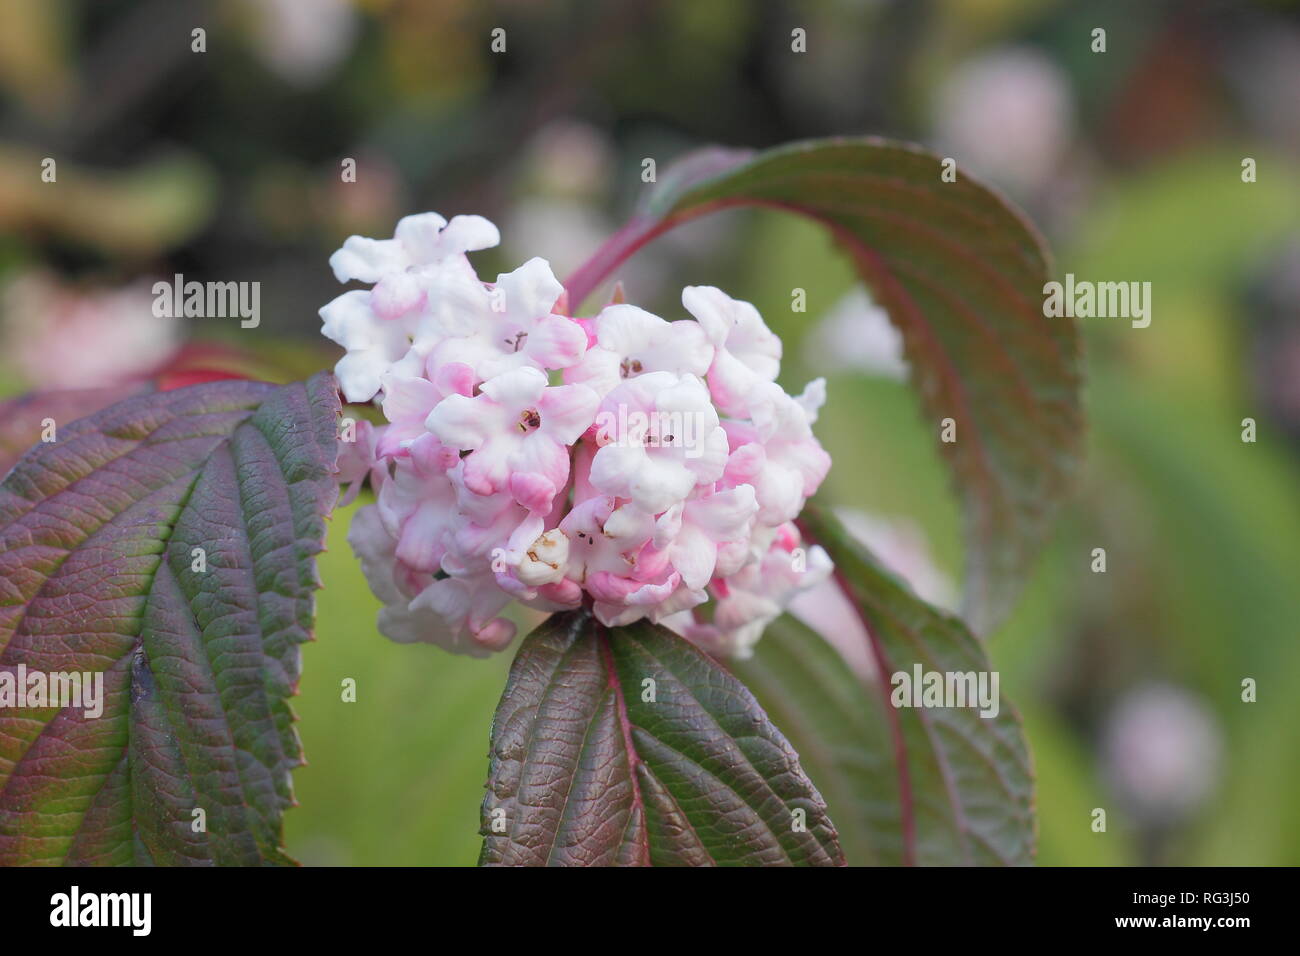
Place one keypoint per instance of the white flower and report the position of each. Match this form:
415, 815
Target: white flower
661, 438
621, 489
545, 560
420, 240
606, 544
407, 402
691, 531
517, 430
631, 342
777, 452
373, 345
424, 288
417, 506
758, 593
517, 328
467, 607
746, 350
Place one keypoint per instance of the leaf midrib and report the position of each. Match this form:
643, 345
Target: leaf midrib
147, 592
720, 734
967, 833
633, 756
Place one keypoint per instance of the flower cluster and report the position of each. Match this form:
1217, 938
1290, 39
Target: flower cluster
629, 463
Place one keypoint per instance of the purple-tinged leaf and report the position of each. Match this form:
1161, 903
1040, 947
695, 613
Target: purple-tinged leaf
631, 747
841, 731
22, 418
168, 544
946, 785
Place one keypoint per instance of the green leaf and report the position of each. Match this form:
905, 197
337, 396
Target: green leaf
961, 274
839, 730
962, 784
98, 532
591, 765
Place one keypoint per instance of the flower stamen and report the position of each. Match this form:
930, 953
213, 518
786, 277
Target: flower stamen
530, 420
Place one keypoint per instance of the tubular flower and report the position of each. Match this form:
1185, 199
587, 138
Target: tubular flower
642, 467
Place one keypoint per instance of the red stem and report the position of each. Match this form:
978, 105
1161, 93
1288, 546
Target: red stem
895, 727
614, 252
883, 670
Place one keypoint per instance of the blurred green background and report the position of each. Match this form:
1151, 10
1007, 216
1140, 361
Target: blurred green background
225, 165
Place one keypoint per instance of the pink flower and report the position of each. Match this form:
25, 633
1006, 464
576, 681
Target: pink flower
691, 531
659, 437
606, 541
375, 549
407, 402
456, 613
757, 594
417, 506
517, 327
517, 430
746, 350
491, 531
357, 460
424, 288
604, 538
467, 609
621, 489
631, 342
777, 453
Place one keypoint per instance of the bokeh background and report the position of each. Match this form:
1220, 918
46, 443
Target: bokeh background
225, 165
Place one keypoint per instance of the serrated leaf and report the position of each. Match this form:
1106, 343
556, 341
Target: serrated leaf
586, 771
961, 274
840, 732
22, 418
961, 784
97, 560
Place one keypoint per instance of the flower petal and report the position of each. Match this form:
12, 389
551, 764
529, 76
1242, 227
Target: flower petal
368, 260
